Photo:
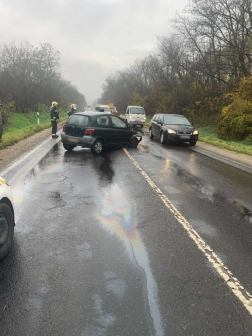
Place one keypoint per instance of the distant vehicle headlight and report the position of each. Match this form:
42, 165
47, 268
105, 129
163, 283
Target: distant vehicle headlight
170, 131
195, 132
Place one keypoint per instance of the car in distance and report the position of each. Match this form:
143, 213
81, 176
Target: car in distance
103, 108
7, 218
135, 115
88, 109
97, 130
172, 128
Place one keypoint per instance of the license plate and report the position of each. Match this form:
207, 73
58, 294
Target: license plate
185, 137
72, 139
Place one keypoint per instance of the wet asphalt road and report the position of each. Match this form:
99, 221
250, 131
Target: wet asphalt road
96, 252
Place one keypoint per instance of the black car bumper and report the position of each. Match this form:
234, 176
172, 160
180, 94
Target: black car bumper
180, 137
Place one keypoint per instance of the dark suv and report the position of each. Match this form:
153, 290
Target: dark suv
97, 130
172, 128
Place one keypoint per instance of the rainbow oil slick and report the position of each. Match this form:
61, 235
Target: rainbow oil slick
118, 215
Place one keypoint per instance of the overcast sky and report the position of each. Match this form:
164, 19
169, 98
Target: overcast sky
95, 37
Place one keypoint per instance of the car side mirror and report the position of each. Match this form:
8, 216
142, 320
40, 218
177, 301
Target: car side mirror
192, 124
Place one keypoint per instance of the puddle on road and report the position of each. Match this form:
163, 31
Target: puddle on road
118, 215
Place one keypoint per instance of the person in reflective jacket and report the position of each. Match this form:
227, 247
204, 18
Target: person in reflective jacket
73, 109
54, 119
1, 124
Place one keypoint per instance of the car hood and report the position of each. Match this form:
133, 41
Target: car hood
180, 128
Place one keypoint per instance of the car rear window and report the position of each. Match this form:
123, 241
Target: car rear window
137, 110
77, 119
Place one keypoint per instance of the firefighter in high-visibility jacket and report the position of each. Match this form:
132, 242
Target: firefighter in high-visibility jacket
54, 119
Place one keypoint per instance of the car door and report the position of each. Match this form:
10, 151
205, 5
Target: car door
159, 125
121, 131
154, 125
103, 129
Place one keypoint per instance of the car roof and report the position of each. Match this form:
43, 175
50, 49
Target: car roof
92, 113
175, 115
136, 106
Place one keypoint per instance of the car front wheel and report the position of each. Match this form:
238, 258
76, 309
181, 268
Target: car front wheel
6, 229
68, 147
97, 147
133, 143
193, 143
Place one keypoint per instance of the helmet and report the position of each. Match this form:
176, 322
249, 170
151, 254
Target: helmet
54, 103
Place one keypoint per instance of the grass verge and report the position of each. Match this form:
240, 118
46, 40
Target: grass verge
209, 135
23, 125
147, 122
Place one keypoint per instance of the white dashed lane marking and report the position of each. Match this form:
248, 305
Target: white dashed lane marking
223, 271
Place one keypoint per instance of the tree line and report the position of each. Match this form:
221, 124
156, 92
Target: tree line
193, 69
30, 78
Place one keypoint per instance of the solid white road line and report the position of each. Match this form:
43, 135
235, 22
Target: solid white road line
239, 291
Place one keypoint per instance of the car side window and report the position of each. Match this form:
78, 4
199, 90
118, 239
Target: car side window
156, 118
116, 122
103, 121
127, 112
160, 119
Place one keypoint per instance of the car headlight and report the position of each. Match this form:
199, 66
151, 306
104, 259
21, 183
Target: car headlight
195, 132
130, 117
170, 131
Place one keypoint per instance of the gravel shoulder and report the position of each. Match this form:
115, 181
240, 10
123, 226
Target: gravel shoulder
9, 154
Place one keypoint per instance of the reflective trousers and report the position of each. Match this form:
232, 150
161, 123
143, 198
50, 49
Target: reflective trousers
54, 127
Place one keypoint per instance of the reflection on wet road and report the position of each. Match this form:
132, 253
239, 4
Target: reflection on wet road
118, 215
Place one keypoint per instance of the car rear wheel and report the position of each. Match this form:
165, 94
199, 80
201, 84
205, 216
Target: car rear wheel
97, 147
150, 134
6, 229
162, 140
133, 142
193, 143
68, 147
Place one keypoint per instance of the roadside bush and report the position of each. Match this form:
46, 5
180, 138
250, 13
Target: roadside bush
236, 120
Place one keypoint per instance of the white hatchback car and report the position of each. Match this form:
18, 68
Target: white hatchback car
7, 218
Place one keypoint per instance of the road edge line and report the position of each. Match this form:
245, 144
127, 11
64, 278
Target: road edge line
233, 283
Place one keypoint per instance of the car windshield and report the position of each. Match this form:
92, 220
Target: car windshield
137, 110
77, 119
176, 120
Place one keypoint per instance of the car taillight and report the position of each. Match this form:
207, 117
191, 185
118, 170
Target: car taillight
64, 128
89, 131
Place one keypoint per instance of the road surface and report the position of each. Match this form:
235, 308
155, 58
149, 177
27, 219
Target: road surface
149, 241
